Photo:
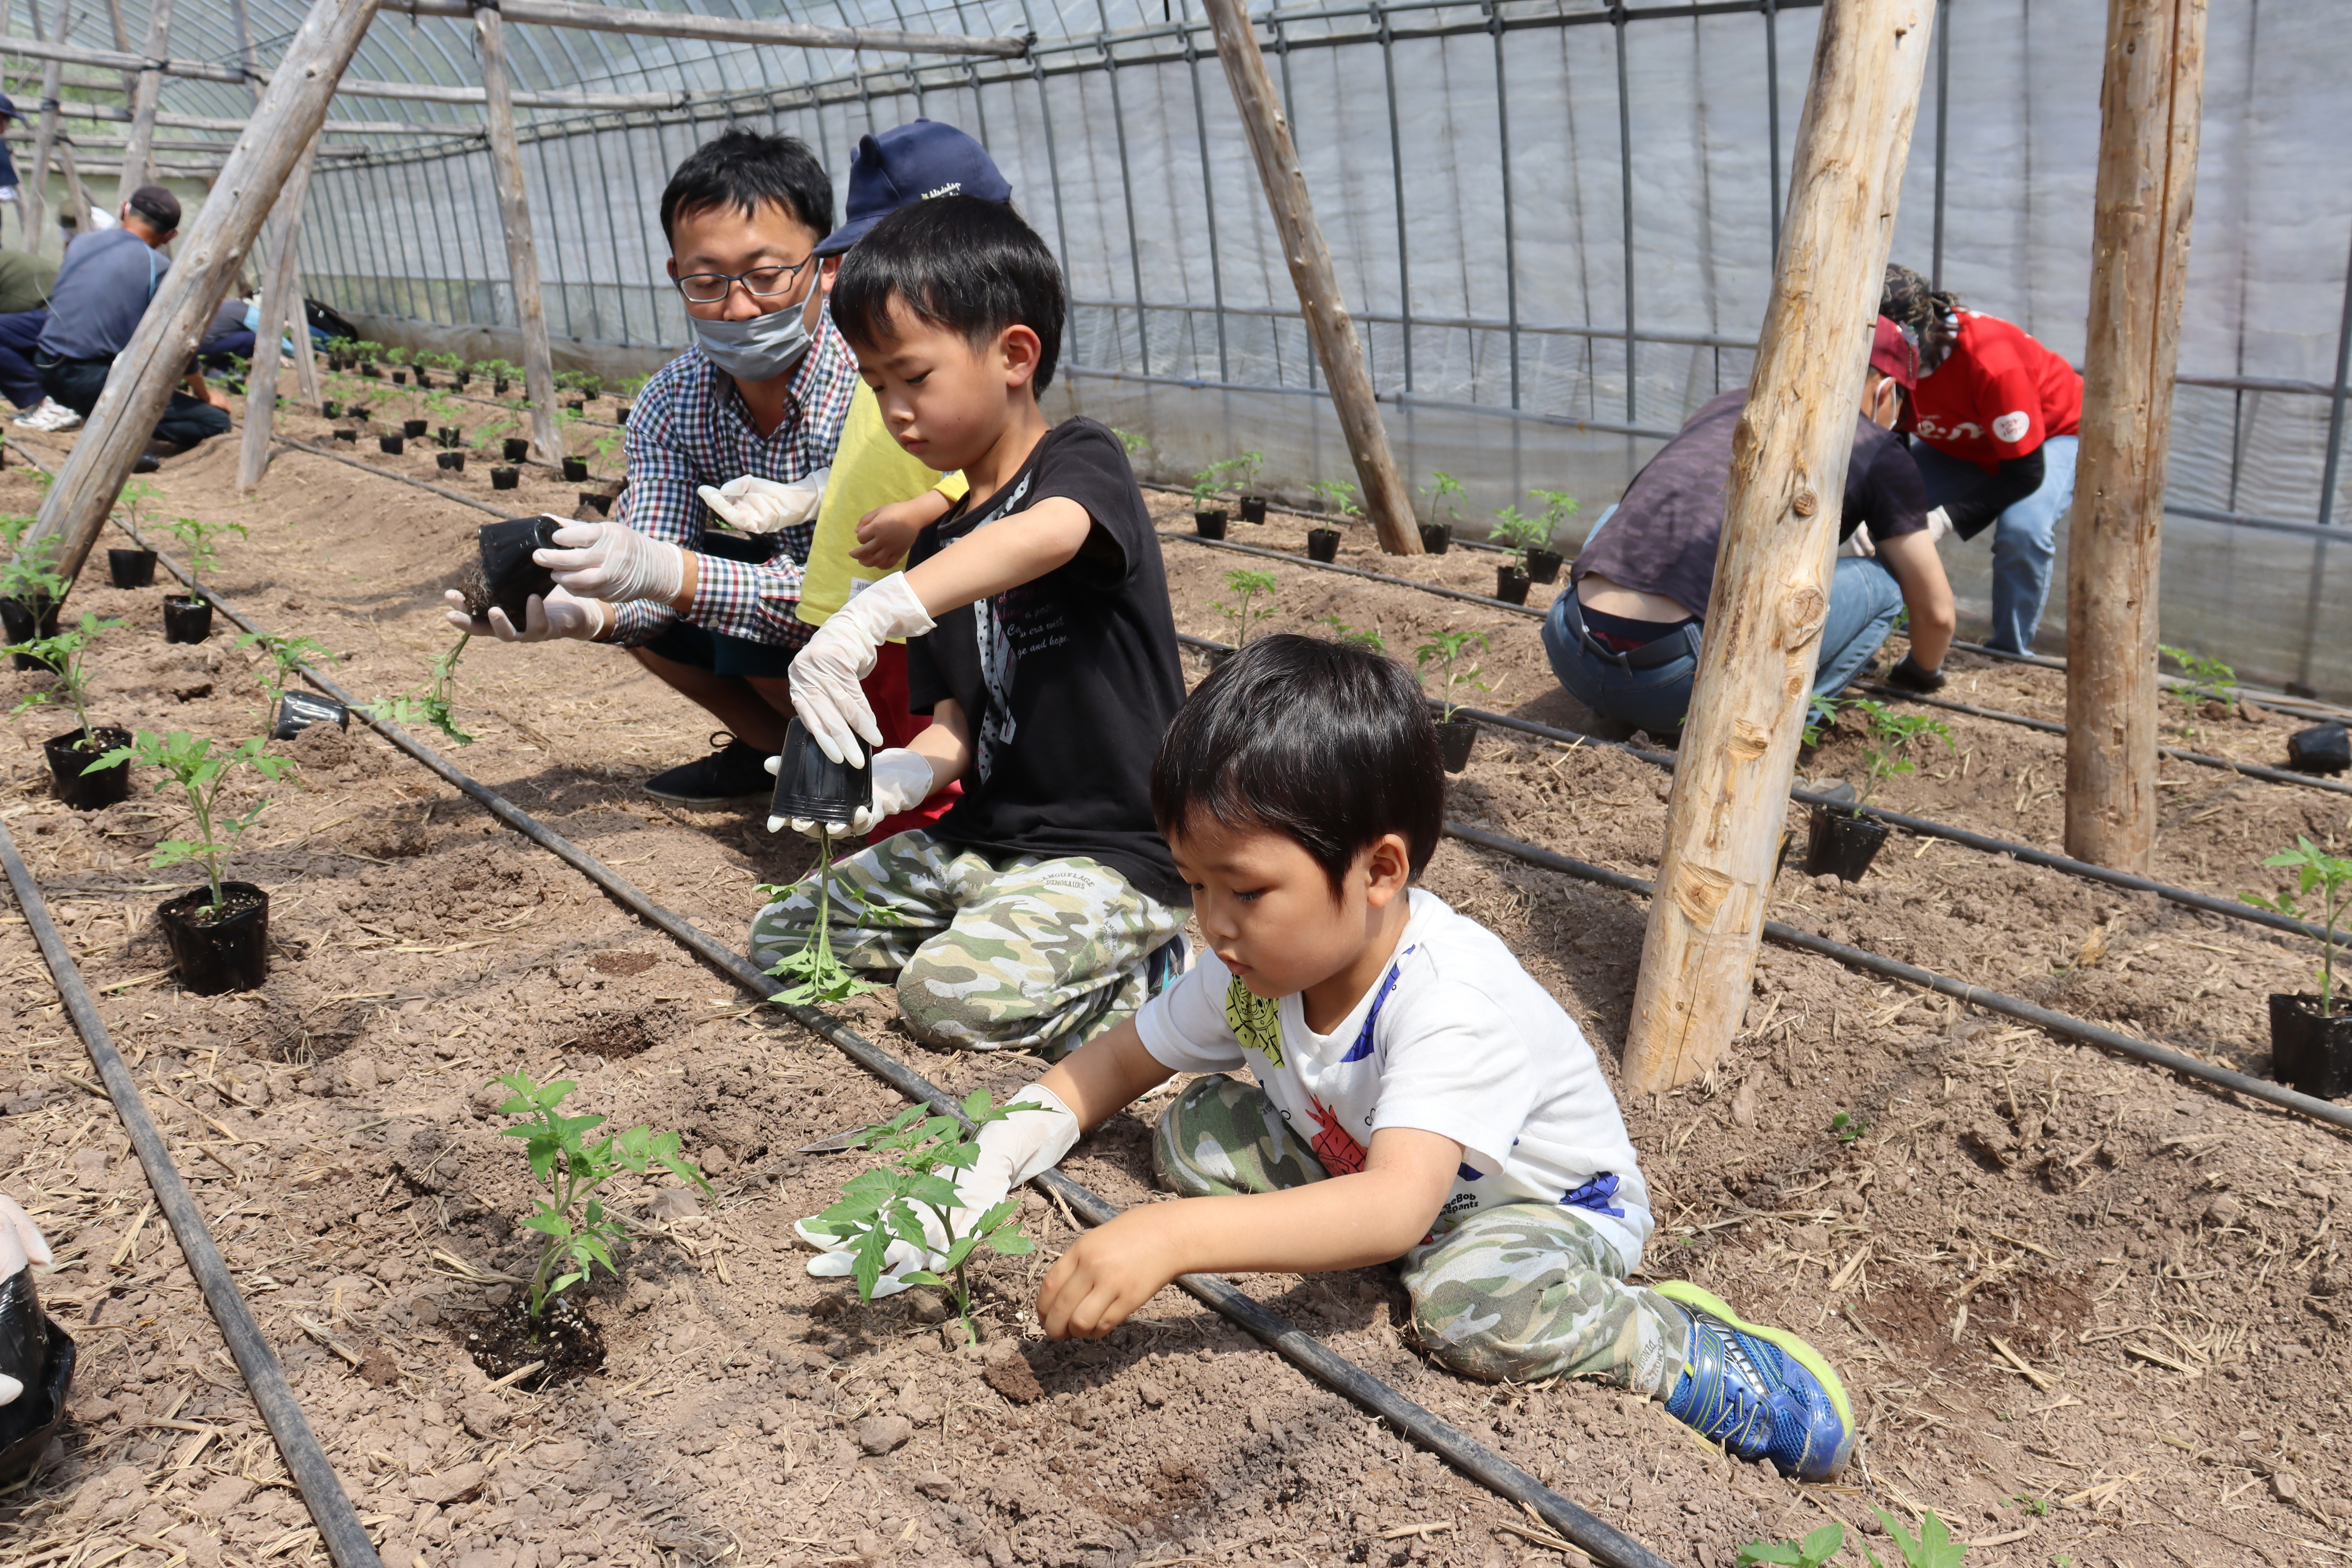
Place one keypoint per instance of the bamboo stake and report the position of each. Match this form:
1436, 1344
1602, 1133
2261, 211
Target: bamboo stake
37, 186
82, 206
2149, 108
277, 288
298, 330
522, 251
1770, 597
211, 252
1386, 501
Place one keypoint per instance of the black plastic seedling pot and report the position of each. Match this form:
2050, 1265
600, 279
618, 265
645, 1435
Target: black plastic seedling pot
1323, 544
392, 444
130, 568
499, 386
330, 409
505, 478
1511, 584
218, 950
20, 623
578, 406
1843, 842
508, 574
187, 618
2322, 749
449, 435
517, 448
351, 436
1543, 565
1453, 738
621, 415
297, 710
1435, 537
70, 757
2308, 1052
415, 429
450, 462
575, 469
812, 787
1253, 508
400, 378
39, 1355
1209, 522
601, 505
357, 412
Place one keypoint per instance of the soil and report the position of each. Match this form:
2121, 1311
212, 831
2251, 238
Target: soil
2087, 1311
203, 913
563, 1345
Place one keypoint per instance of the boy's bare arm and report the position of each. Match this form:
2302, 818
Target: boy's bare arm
885, 533
1343, 1222
1106, 1076
946, 744
1011, 550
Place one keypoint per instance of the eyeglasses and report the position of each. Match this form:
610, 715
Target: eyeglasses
760, 282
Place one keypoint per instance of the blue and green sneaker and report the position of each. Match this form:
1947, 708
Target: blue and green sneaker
1761, 1392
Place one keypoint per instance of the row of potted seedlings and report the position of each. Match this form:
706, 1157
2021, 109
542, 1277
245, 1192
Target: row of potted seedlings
374, 361
449, 457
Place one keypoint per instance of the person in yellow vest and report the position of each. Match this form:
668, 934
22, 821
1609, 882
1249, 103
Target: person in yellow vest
878, 496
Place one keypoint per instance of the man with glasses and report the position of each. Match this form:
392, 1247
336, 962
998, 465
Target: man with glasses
762, 392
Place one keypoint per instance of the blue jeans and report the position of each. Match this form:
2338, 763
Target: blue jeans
77, 382
1864, 602
2025, 540
18, 332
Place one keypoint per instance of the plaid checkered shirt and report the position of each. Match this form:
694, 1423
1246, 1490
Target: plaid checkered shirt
690, 427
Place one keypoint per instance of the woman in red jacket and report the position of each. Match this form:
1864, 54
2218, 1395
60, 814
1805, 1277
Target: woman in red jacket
1994, 415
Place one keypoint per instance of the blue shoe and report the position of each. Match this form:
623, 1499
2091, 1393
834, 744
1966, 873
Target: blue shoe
1763, 1393
1164, 963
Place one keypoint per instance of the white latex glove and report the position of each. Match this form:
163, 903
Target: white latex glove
1033, 1138
1940, 523
1859, 543
557, 616
824, 674
612, 562
8, 193
765, 506
21, 1243
903, 780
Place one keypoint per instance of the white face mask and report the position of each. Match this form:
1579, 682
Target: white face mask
759, 349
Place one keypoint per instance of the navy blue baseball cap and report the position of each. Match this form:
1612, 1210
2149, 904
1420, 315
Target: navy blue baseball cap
9, 107
909, 163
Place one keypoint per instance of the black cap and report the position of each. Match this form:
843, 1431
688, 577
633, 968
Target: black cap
157, 206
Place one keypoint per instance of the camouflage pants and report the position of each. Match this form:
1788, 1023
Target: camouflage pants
990, 953
1518, 1292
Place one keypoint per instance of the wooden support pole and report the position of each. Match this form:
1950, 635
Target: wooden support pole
1387, 501
211, 251
298, 330
81, 198
37, 184
522, 251
278, 288
145, 98
2150, 107
1771, 588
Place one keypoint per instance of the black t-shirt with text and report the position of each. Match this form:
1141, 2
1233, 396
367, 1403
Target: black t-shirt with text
1069, 681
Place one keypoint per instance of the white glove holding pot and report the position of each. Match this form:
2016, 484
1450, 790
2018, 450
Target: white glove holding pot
765, 506
825, 673
903, 780
1040, 1130
557, 616
21, 1244
612, 562
1859, 543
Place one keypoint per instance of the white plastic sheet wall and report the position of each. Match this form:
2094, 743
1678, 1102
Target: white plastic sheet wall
1493, 287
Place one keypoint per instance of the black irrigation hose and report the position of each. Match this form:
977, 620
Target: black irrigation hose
443, 491
313, 1473
2041, 1017
1482, 1463
2278, 703
1923, 827
1288, 558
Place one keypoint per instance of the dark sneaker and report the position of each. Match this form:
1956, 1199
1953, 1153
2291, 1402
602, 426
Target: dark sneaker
146, 464
1763, 1393
734, 771
1164, 963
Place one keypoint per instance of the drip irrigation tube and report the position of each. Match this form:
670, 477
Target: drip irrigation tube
2041, 1017
1589, 1533
1286, 557
2261, 697
1924, 827
442, 490
313, 1474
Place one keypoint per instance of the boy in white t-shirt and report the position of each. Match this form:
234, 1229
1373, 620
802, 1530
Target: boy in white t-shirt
1417, 1098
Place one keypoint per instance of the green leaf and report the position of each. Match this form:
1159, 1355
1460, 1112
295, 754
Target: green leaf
1013, 1246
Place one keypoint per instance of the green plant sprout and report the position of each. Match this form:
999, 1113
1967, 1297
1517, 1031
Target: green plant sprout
1820, 713
196, 537
27, 575
396, 356
433, 704
1848, 1127
66, 654
1520, 533
888, 1203
491, 434
605, 445
2038, 1507
1339, 495
2203, 680
1246, 587
1892, 735
2331, 877
1933, 1547
1364, 637
820, 975
1211, 479
581, 1231
1246, 465
1559, 506
1134, 443
1447, 651
1813, 1552
201, 773
1441, 489
282, 658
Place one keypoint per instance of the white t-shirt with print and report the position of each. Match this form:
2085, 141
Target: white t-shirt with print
1454, 1040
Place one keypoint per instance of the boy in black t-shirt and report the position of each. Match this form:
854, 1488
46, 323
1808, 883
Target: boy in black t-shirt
1043, 906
